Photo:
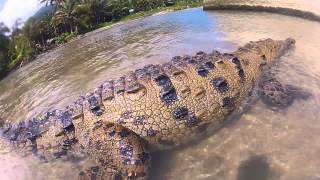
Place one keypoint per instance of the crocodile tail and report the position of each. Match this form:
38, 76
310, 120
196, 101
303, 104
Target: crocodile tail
8, 129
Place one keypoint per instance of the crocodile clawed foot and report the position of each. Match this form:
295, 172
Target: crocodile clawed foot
298, 93
278, 96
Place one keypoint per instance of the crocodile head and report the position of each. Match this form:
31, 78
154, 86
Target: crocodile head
272, 50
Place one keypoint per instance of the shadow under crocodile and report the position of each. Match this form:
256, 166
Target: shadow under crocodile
162, 160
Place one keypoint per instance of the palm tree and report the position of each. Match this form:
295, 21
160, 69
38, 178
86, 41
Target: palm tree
95, 9
30, 29
56, 3
44, 29
119, 8
3, 29
66, 16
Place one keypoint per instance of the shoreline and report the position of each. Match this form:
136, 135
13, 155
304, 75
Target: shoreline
206, 6
107, 25
127, 19
260, 8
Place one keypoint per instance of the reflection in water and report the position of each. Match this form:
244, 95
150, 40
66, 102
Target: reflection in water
288, 138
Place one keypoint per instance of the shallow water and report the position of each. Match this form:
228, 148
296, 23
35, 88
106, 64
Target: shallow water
305, 5
274, 145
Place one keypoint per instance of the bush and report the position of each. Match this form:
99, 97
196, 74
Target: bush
125, 11
3, 64
142, 5
20, 50
64, 37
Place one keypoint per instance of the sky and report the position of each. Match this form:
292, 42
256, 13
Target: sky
2, 4
10, 10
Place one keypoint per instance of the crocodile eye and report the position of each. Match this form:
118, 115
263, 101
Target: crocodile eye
220, 84
236, 61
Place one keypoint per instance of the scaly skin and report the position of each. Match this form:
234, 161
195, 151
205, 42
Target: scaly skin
154, 107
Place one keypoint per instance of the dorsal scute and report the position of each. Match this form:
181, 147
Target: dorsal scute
168, 92
119, 85
200, 56
31, 135
22, 131
36, 127
94, 100
76, 108
180, 61
64, 118
154, 70
142, 74
58, 121
107, 92
131, 83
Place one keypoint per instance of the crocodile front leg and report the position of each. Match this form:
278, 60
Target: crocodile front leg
118, 152
279, 96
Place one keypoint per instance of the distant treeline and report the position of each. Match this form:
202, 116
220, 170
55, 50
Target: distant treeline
67, 19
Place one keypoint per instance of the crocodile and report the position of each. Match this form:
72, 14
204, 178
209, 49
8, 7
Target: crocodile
155, 107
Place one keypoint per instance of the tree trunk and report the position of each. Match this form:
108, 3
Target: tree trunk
70, 24
42, 39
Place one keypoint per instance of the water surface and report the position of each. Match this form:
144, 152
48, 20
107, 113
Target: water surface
262, 144
304, 5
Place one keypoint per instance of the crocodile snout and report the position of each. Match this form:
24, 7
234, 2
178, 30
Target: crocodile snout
290, 42
285, 46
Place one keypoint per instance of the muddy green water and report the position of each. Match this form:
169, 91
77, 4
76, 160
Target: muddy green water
262, 144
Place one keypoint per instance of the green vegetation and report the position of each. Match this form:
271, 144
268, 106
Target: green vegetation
70, 18
178, 6
4, 42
